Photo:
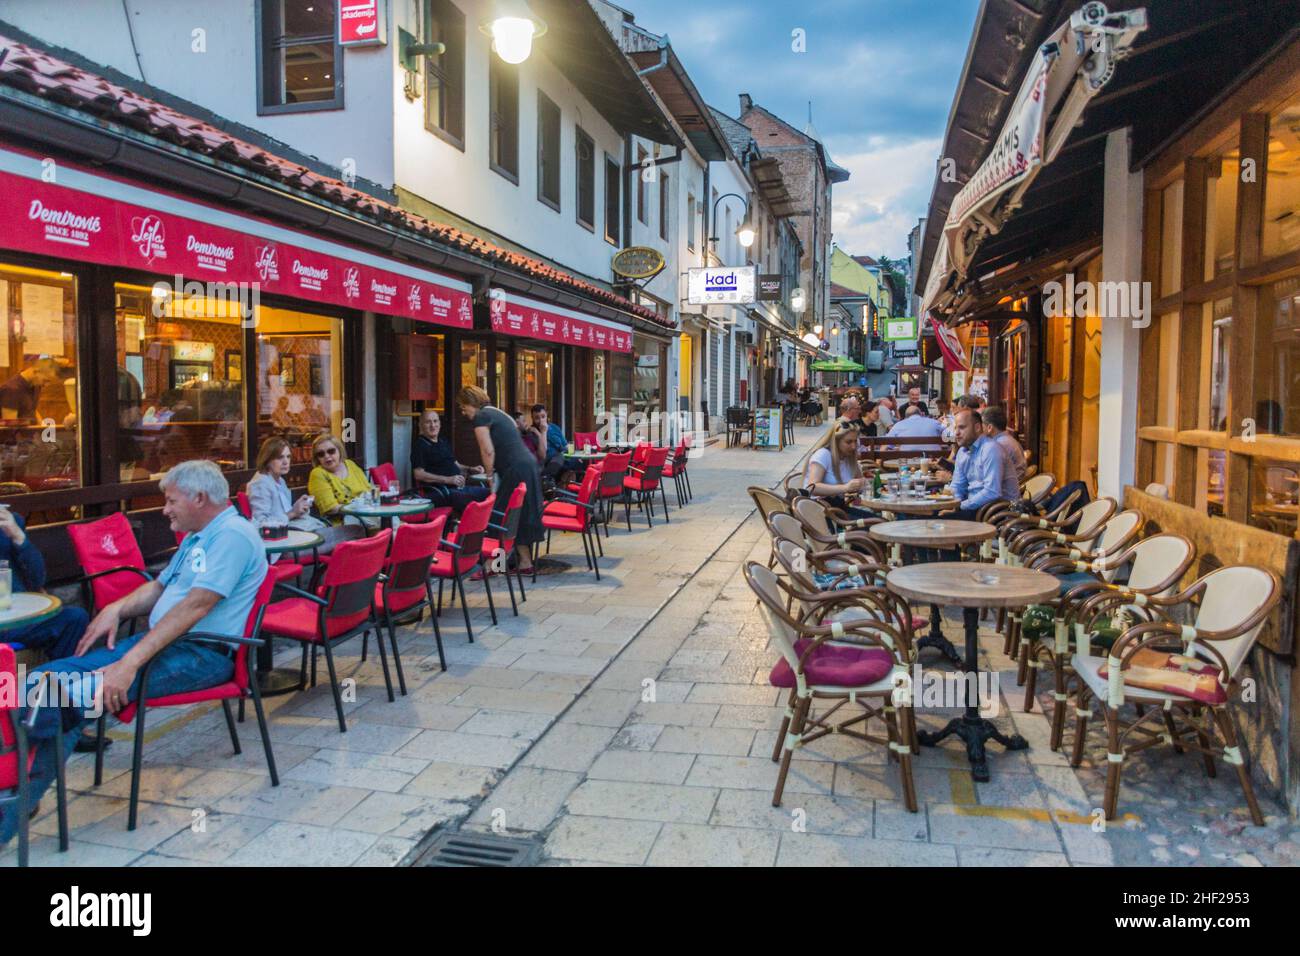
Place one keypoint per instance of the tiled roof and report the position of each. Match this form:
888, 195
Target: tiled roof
844, 292
864, 260
36, 72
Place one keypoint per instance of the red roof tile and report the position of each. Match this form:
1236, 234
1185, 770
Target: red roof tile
37, 72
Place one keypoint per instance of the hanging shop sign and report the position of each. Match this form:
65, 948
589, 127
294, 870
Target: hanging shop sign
361, 22
518, 315
210, 245
734, 285
638, 262
904, 329
769, 288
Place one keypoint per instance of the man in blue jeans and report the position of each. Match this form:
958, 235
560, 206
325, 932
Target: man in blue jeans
57, 636
208, 586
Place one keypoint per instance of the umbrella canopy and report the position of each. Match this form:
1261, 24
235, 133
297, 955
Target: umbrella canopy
836, 365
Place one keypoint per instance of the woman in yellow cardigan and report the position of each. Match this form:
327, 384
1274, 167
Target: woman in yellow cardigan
335, 480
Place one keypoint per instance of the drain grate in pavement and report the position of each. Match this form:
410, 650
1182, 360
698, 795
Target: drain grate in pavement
479, 849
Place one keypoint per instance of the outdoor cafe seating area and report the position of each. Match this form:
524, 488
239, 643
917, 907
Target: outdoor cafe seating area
364, 588
1089, 599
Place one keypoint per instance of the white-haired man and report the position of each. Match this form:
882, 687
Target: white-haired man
208, 586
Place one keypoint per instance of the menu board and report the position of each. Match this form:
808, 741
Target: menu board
767, 428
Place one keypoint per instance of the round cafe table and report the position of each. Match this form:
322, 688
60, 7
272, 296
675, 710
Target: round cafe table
386, 513
971, 587
932, 534
272, 681
895, 504
28, 607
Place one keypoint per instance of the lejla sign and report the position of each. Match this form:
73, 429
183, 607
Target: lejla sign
901, 329
361, 22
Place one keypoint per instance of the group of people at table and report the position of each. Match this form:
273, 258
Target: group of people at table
216, 594
989, 464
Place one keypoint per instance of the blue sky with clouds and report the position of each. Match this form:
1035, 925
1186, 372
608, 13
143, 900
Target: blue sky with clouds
881, 76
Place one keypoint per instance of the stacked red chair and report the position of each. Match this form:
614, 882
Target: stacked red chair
577, 513
461, 554
242, 685
675, 468
16, 756
342, 608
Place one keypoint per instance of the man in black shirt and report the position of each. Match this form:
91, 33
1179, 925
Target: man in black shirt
436, 471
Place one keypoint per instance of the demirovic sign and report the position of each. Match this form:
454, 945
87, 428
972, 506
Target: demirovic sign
722, 284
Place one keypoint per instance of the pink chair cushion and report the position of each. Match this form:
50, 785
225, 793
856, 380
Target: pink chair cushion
836, 666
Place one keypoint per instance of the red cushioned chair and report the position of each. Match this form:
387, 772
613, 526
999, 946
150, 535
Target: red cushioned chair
577, 513
645, 479
16, 756
675, 468
242, 685
405, 587
582, 439
110, 557
612, 471
461, 553
507, 530
383, 475
341, 608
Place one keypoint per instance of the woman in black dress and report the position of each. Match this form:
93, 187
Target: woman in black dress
504, 454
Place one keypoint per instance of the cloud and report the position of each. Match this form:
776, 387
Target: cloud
888, 191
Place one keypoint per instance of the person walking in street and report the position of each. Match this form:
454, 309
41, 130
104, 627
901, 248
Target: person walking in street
506, 456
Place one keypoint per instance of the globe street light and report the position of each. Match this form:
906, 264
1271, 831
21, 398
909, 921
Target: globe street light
512, 28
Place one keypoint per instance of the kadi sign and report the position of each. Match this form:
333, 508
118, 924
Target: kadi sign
721, 285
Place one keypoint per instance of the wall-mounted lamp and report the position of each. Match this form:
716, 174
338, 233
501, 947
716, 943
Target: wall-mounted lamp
513, 28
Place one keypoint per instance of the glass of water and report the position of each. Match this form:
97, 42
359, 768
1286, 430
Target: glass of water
6, 586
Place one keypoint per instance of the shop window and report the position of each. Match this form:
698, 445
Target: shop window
548, 151
300, 66
503, 119
535, 380
1277, 373
299, 379
1273, 495
647, 394
1219, 314
619, 400
1282, 187
180, 362
444, 76
585, 174
613, 199
39, 424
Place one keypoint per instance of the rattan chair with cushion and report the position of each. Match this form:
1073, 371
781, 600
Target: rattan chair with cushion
1192, 686
816, 518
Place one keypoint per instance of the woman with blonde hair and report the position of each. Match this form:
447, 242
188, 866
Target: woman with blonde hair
833, 470
270, 500
336, 480
505, 455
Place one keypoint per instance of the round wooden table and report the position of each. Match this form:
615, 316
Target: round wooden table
971, 587
28, 607
910, 506
933, 534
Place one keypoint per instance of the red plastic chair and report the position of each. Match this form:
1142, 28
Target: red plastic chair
405, 587
243, 505
461, 553
583, 439
242, 685
16, 756
507, 530
577, 513
645, 480
341, 608
675, 468
110, 557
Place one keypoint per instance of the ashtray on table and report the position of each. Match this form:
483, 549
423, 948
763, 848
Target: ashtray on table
986, 577
274, 532
389, 499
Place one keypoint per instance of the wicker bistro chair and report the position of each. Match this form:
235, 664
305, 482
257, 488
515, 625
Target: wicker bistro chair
1094, 611
816, 518
768, 503
859, 662
1193, 688
1074, 566
1033, 492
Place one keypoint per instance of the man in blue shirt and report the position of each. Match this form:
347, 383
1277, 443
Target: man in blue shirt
208, 586
56, 636
918, 425
554, 462
981, 470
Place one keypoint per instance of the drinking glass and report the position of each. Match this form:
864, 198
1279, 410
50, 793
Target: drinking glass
6, 586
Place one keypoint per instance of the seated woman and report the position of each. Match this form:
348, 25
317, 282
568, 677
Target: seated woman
833, 470
436, 471
269, 497
335, 481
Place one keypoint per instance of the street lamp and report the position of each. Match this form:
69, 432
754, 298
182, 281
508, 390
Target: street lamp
797, 302
513, 28
745, 231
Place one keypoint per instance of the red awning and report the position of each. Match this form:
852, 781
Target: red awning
954, 356
83, 218
519, 315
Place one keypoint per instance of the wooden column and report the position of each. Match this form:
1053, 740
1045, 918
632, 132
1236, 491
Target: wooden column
1190, 319
1248, 359
1149, 358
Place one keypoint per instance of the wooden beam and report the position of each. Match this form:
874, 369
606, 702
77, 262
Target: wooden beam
1149, 338
1190, 322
